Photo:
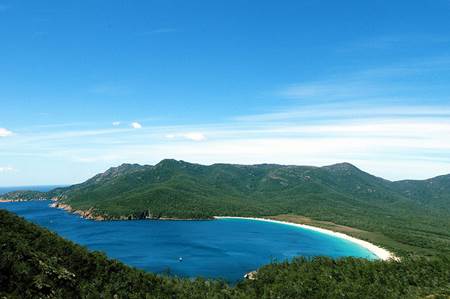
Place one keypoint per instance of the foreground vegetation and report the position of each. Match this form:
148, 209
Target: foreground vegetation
406, 217
35, 263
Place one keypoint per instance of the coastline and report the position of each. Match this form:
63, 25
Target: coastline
83, 214
89, 214
20, 200
380, 252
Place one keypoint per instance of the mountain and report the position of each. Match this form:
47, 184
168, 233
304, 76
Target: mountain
405, 215
180, 189
433, 192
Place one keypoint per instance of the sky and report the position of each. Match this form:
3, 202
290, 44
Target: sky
90, 84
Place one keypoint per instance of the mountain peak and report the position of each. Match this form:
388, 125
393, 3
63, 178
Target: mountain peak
173, 163
166, 162
122, 167
342, 166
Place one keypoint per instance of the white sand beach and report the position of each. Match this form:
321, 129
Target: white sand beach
381, 253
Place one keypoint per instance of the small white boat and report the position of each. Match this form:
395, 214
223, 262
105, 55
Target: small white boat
180, 259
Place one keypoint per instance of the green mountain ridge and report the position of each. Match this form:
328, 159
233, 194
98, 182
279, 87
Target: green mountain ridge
414, 213
435, 191
134, 183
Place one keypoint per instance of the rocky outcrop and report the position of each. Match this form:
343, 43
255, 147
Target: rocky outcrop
89, 214
92, 214
251, 275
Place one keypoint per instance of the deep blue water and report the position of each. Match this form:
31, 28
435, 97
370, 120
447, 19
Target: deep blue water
225, 248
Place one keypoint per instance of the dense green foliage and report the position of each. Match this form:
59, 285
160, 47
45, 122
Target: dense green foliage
24, 195
35, 263
414, 216
435, 191
352, 278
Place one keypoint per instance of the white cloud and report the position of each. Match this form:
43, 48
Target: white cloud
5, 133
136, 125
116, 123
6, 169
194, 136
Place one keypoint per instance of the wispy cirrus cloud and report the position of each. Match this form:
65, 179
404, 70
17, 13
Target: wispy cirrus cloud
394, 91
403, 81
370, 144
157, 31
349, 111
194, 136
367, 117
163, 30
63, 125
393, 42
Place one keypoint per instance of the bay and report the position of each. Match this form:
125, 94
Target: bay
224, 248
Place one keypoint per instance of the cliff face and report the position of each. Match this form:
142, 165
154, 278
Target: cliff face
92, 214
89, 214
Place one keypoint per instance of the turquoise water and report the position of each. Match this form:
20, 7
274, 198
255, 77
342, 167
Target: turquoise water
225, 248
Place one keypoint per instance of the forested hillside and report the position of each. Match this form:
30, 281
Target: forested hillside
35, 263
433, 192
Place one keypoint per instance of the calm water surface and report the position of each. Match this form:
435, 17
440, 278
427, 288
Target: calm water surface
226, 248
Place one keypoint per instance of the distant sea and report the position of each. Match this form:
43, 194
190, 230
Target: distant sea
42, 188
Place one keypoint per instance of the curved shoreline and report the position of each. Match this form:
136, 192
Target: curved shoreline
380, 252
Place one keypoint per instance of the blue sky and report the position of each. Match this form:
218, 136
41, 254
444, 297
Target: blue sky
85, 85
